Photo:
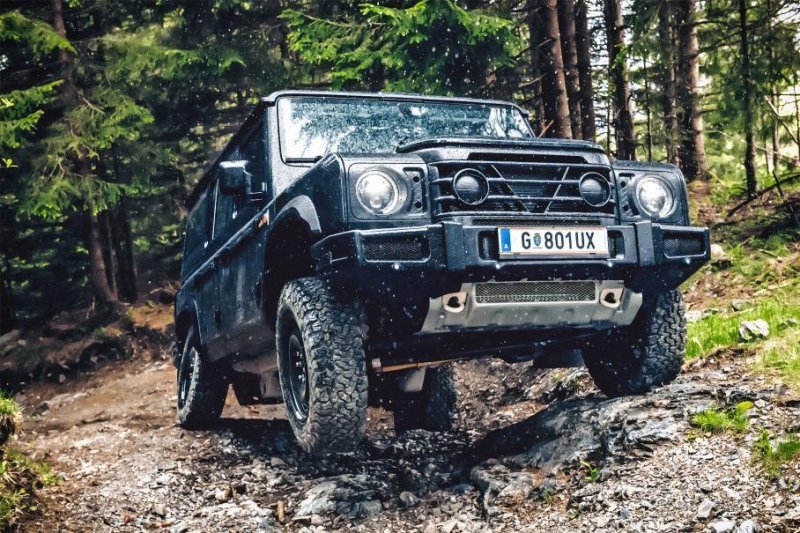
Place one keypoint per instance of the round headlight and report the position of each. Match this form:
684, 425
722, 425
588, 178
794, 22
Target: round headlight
470, 186
594, 189
377, 192
654, 197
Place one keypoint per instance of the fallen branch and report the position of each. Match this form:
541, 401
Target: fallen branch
759, 194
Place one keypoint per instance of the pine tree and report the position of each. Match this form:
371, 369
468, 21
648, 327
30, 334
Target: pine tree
617, 63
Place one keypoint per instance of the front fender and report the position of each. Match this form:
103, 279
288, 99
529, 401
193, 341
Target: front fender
303, 207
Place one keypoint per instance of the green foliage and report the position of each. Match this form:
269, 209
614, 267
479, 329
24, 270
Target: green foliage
38, 36
714, 420
21, 109
434, 46
20, 477
773, 455
87, 131
592, 472
721, 330
10, 417
783, 357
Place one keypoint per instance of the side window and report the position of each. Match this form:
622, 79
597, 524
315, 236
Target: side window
253, 151
230, 211
225, 214
197, 224
198, 232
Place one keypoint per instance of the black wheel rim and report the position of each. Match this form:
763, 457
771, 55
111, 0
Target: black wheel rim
297, 371
185, 373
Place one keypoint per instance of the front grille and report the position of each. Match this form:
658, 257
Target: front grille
404, 248
678, 245
535, 292
533, 187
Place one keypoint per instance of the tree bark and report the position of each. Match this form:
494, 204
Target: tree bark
624, 132
583, 44
99, 280
667, 41
569, 52
98, 274
747, 104
535, 36
554, 90
106, 245
123, 250
693, 151
773, 93
648, 141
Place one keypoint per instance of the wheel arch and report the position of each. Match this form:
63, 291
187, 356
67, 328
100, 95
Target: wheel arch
287, 251
185, 320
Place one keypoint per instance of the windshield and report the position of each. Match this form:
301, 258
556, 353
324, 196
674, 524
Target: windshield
312, 127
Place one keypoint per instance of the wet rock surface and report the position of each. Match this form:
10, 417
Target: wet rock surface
533, 451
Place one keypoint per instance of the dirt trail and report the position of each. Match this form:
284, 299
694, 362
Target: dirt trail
128, 467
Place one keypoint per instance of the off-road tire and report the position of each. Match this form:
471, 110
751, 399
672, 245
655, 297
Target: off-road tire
335, 366
433, 408
646, 354
200, 403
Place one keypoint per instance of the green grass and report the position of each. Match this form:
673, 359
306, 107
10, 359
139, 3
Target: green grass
713, 420
721, 330
592, 472
20, 477
782, 356
10, 417
773, 455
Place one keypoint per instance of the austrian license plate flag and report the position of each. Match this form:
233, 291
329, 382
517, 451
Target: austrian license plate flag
553, 241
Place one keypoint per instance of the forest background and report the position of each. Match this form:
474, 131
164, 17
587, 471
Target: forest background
110, 110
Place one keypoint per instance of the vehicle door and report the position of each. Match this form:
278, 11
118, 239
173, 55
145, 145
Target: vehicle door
197, 252
240, 267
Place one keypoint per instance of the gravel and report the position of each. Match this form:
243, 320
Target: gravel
533, 451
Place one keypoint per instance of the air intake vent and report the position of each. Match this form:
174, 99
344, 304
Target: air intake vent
535, 291
406, 248
679, 245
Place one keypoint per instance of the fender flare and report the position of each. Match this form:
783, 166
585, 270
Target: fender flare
189, 310
305, 209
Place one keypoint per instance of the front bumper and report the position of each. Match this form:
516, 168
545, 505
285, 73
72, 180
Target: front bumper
437, 259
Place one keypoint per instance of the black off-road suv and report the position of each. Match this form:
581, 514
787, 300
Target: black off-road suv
345, 246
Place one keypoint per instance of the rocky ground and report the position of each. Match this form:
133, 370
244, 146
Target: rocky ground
534, 451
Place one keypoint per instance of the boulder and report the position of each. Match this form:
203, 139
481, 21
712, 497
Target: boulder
351, 495
750, 330
719, 257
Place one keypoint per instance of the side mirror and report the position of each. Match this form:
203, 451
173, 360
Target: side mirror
235, 180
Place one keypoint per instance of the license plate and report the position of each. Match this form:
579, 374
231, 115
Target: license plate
553, 241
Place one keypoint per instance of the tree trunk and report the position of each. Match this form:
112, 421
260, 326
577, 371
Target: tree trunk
106, 245
648, 141
554, 89
123, 250
773, 94
98, 275
667, 41
747, 104
535, 36
100, 286
7, 317
624, 132
583, 44
569, 52
693, 151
